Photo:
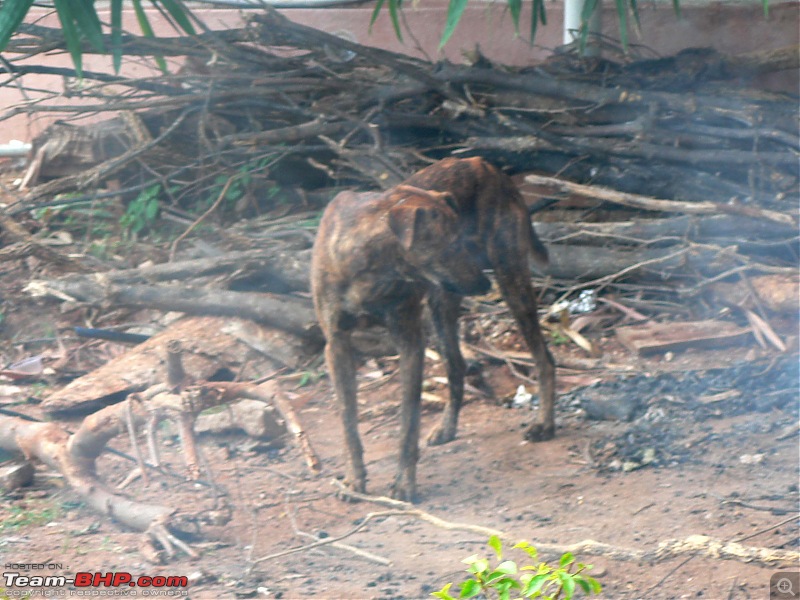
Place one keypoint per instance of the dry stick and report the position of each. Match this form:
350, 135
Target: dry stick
137, 451
646, 203
495, 352
202, 217
602, 282
324, 542
766, 529
357, 551
406, 508
695, 545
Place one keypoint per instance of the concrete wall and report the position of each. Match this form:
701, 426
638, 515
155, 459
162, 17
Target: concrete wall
732, 28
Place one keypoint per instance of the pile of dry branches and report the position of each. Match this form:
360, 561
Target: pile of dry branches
285, 106
326, 110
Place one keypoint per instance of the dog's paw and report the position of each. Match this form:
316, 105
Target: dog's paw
403, 493
540, 432
441, 435
348, 485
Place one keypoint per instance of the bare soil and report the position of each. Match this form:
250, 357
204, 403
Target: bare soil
710, 450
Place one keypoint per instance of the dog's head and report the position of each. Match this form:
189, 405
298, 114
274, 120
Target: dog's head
427, 226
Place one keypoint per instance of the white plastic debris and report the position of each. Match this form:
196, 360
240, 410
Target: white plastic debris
586, 302
522, 397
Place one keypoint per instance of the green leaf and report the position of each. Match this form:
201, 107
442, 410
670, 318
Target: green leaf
71, 35
568, 584
527, 548
593, 584
180, 15
508, 567
454, 11
477, 566
88, 22
444, 593
581, 581
566, 559
515, 8
622, 14
469, 589
151, 210
534, 585
537, 17
588, 10
496, 545
636, 21
12, 12
376, 11
676, 6
394, 13
147, 30
116, 34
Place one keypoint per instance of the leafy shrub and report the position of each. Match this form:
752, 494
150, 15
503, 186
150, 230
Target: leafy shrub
539, 580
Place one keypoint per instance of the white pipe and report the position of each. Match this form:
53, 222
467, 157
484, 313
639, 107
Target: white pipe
572, 21
14, 148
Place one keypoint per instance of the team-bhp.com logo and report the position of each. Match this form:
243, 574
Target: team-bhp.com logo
155, 585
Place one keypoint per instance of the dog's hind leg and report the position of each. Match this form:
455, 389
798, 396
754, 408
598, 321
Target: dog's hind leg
508, 253
405, 326
444, 314
339, 355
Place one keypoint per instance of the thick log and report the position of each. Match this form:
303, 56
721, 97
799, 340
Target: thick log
292, 314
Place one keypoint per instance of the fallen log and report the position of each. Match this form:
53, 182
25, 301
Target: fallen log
294, 315
53, 446
653, 204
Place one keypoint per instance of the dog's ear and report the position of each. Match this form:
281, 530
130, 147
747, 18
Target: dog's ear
406, 221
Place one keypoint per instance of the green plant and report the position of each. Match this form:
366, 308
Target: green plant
558, 338
25, 516
309, 378
142, 211
233, 188
626, 9
539, 580
80, 22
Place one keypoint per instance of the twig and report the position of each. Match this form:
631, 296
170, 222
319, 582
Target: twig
201, 218
357, 551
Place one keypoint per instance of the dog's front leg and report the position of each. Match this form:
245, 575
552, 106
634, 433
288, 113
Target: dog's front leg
405, 326
444, 313
339, 355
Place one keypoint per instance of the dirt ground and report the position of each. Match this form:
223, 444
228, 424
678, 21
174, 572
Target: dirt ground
721, 464
711, 448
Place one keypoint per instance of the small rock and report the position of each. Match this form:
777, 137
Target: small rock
257, 419
618, 407
16, 475
751, 459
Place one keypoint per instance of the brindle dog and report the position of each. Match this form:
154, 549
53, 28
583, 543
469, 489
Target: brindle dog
378, 256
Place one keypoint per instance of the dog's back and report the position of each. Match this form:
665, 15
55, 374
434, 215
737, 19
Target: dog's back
488, 202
